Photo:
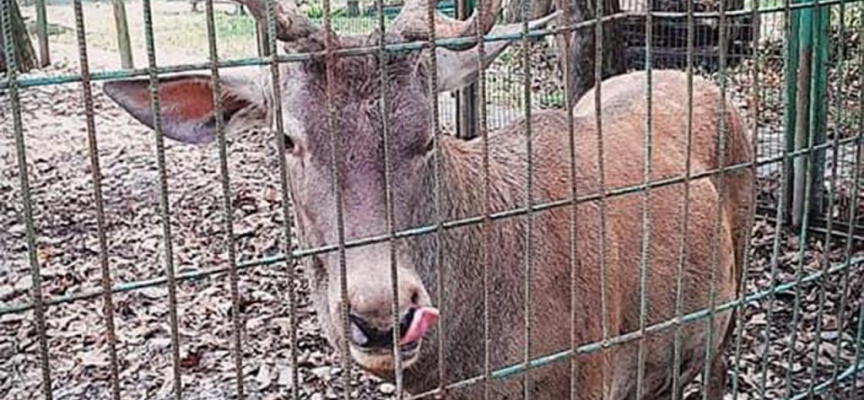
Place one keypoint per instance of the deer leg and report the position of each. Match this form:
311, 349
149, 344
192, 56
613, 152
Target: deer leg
716, 385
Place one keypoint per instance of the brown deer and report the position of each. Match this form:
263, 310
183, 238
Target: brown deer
570, 301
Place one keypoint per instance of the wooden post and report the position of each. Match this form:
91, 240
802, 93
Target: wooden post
25, 56
466, 98
42, 33
124, 46
263, 39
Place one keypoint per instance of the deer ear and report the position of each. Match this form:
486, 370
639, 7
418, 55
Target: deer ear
457, 69
186, 105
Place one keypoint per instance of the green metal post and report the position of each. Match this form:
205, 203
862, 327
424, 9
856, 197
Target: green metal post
124, 46
790, 114
802, 110
819, 94
42, 33
810, 57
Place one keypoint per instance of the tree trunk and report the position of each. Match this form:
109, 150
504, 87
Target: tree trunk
514, 10
25, 56
124, 46
582, 41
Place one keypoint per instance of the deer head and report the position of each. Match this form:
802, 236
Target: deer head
188, 116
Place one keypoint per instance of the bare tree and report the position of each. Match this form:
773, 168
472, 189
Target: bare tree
25, 56
515, 10
582, 42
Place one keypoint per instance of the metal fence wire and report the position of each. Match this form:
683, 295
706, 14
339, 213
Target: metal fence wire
113, 262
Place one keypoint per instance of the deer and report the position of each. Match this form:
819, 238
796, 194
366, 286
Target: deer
545, 280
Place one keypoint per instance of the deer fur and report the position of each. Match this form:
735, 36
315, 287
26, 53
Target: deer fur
570, 304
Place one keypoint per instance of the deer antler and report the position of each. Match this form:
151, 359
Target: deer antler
291, 25
412, 21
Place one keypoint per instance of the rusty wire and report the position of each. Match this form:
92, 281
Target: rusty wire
164, 205
685, 209
227, 208
96, 174
26, 198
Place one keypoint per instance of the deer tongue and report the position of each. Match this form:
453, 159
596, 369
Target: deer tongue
423, 320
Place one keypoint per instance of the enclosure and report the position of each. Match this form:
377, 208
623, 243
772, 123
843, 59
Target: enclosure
134, 267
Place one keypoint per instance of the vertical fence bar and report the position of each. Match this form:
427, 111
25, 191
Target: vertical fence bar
685, 218
644, 226
853, 209
384, 105
574, 206
227, 208
606, 357
26, 197
336, 177
276, 90
121, 23
859, 155
42, 33
435, 123
756, 18
818, 118
791, 47
164, 205
602, 200
790, 50
835, 149
807, 178
529, 201
96, 174
485, 227
713, 386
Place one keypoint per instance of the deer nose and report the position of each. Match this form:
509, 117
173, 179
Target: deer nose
366, 335
412, 327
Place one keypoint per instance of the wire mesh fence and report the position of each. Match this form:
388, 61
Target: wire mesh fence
132, 267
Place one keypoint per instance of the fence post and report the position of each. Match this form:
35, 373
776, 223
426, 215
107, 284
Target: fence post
466, 98
818, 119
790, 114
806, 108
802, 110
123, 44
263, 39
42, 33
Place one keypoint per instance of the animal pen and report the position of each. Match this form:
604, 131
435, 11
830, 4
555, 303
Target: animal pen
133, 268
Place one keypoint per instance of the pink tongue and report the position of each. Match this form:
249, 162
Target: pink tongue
424, 318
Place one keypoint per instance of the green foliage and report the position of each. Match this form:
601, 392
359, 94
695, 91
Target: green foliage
315, 11
552, 100
231, 26
851, 16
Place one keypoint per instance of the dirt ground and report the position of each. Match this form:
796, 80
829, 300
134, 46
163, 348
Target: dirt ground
780, 350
